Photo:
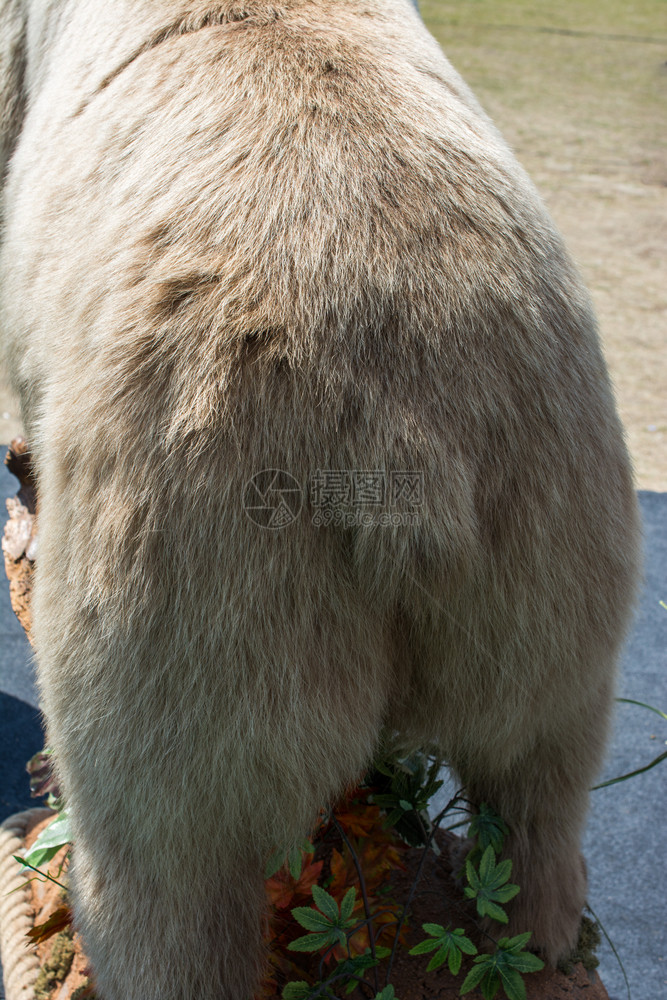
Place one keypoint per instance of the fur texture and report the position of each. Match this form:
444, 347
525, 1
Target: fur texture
12, 77
247, 235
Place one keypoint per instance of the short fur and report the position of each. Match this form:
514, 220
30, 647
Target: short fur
252, 234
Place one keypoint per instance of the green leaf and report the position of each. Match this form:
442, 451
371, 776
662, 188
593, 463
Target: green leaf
490, 984
465, 944
488, 828
38, 858
393, 817
295, 863
513, 984
326, 903
436, 930
504, 893
473, 979
405, 805
487, 865
311, 919
51, 839
347, 905
527, 962
472, 876
384, 801
353, 966
314, 942
642, 704
502, 870
274, 864
386, 994
454, 960
488, 887
297, 991
430, 944
516, 943
359, 963
439, 958
487, 908
450, 946
632, 774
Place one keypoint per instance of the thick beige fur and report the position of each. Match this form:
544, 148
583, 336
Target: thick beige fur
249, 235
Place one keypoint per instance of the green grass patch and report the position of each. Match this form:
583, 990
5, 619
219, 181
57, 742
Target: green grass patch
591, 74
641, 17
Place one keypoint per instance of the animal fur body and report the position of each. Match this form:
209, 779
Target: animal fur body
247, 235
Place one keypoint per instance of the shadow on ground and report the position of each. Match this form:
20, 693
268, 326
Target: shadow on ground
20, 738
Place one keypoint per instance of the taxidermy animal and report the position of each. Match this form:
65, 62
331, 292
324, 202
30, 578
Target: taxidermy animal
254, 235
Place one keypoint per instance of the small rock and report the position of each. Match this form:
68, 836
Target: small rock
18, 529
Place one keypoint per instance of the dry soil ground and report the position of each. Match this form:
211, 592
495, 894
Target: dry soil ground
580, 90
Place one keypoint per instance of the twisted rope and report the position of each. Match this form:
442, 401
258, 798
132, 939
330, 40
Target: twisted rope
18, 956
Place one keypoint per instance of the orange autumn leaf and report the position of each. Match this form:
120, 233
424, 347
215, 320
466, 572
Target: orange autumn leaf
378, 859
343, 873
386, 916
362, 822
378, 851
282, 888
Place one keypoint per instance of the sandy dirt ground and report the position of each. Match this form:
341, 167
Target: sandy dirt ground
580, 92
612, 211
620, 244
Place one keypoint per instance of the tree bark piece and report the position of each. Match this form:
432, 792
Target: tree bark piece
19, 542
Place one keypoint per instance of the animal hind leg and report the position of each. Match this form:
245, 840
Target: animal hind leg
542, 795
